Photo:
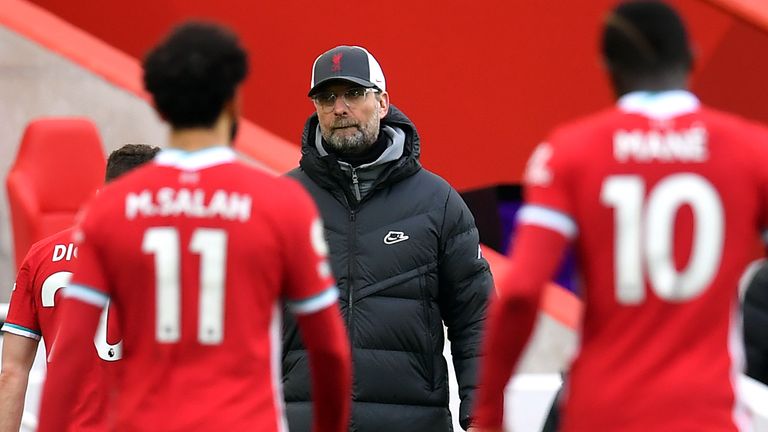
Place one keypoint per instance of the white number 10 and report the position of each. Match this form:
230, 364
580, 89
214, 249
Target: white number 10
644, 228
211, 245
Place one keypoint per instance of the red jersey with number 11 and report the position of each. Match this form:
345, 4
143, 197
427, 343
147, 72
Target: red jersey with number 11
666, 201
196, 250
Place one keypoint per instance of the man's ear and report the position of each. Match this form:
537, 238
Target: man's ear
383, 101
235, 105
231, 111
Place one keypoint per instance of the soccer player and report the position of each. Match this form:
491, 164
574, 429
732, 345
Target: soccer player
664, 200
45, 270
196, 250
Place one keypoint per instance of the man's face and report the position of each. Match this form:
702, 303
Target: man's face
351, 125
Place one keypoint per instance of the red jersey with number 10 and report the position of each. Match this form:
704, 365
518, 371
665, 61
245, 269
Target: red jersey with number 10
196, 250
666, 201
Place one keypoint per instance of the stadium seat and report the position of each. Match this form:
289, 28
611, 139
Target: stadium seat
59, 166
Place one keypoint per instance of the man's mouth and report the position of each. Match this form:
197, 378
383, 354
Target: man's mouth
345, 126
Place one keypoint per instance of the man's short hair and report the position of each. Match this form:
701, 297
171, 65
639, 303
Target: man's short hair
645, 37
127, 158
194, 72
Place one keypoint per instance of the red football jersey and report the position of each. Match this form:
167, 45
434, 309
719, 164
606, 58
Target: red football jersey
45, 270
666, 201
196, 250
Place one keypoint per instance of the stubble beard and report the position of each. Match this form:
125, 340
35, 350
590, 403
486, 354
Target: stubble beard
357, 143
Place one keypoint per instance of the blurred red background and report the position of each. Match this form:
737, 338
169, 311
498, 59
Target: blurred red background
483, 81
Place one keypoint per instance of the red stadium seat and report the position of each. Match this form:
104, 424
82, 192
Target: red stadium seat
59, 165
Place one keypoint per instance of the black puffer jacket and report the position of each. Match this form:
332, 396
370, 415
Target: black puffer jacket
756, 325
395, 297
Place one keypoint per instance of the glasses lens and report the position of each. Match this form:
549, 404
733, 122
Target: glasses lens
325, 99
354, 96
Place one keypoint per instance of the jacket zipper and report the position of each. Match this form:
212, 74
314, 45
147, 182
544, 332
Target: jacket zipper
350, 275
350, 303
355, 186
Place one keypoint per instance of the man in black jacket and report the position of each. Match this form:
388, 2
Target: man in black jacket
404, 249
756, 325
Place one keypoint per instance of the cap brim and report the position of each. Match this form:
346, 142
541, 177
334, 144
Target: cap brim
355, 80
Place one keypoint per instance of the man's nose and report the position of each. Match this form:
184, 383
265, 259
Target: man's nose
339, 106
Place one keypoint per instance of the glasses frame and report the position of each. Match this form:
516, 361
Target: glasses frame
331, 106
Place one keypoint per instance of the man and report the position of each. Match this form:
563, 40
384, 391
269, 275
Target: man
404, 248
664, 200
32, 315
196, 250
756, 325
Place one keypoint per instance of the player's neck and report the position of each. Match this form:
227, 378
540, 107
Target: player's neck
672, 80
193, 139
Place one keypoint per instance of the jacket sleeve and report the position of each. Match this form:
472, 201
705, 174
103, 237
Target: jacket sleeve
465, 286
756, 326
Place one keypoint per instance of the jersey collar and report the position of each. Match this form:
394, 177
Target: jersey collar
195, 160
659, 105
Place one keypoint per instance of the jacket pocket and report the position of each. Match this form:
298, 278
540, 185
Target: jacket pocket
390, 282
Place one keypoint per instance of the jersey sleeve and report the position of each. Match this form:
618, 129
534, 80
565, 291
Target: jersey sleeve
22, 315
88, 283
535, 255
546, 182
309, 285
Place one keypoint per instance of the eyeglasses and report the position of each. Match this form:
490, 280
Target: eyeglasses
353, 97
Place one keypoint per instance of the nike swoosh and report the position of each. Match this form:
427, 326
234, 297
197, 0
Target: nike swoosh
393, 237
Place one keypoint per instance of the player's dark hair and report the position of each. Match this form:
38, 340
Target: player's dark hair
645, 37
127, 158
194, 72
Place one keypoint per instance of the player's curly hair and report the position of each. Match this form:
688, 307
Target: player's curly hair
194, 72
645, 37
127, 158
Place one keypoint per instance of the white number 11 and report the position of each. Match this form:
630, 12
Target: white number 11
211, 245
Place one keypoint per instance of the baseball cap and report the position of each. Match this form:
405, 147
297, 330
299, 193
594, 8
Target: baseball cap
349, 63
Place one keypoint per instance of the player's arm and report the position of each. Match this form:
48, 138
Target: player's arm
325, 339
545, 226
537, 251
71, 355
311, 294
18, 356
21, 337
